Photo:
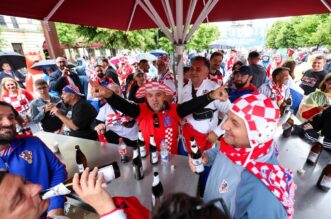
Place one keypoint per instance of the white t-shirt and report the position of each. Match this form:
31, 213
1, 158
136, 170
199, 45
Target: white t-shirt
207, 125
114, 121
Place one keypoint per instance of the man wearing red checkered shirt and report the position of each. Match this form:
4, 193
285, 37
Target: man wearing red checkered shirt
156, 116
244, 170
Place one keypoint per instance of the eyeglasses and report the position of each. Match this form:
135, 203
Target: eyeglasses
203, 206
156, 122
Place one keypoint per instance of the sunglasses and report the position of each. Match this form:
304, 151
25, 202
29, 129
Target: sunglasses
225, 209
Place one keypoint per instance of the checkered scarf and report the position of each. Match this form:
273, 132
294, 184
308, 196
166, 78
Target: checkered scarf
260, 115
277, 92
277, 179
153, 86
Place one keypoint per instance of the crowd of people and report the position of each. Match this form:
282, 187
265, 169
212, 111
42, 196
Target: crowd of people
231, 107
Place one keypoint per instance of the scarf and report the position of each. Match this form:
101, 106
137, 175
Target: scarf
277, 179
277, 92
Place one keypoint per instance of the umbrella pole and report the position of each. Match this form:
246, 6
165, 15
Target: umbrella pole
180, 68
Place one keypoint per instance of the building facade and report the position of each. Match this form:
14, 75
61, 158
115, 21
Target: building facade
21, 35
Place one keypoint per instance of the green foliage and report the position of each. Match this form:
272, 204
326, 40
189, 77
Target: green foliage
272, 34
143, 40
206, 34
310, 30
286, 37
67, 34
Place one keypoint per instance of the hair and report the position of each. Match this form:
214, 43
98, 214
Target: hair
61, 57
182, 206
142, 61
40, 82
5, 63
253, 54
279, 70
3, 103
186, 69
319, 57
290, 65
237, 63
98, 66
203, 59
4, 89
322, 85
105, 60
214, 54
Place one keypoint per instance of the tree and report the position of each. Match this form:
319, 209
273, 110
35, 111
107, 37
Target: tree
272, 34
143, 40
286, 37
201, 39
310, 30
67, 34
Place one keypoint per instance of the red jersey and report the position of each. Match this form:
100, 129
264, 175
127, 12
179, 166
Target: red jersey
168, 126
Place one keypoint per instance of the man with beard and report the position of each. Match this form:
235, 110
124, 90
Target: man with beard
242, 81
29, 157
77, 121
156, 116
63, 77
244, 170
215, 73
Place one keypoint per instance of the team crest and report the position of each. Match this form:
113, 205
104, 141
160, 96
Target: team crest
27, 156
224, 187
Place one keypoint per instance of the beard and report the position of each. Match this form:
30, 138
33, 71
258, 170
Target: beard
8, 136
101, 75
239, 85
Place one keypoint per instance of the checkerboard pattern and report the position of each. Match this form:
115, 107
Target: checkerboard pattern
260, 114
153, 86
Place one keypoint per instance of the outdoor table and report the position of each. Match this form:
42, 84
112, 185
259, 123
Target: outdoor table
310, 201
175, 176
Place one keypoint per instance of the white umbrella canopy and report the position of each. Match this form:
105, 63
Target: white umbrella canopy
146, 56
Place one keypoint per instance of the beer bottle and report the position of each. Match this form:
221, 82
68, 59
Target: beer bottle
110, 172
137, 164
288, 126
81, 160
141, 145
315, 151
157, 189
324, 182
122, 151
196, 156
153, 151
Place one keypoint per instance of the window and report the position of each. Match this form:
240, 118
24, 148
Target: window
17, 47
14, 21
2, 21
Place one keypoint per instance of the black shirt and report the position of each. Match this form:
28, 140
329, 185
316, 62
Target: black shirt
83, 114
311, 80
